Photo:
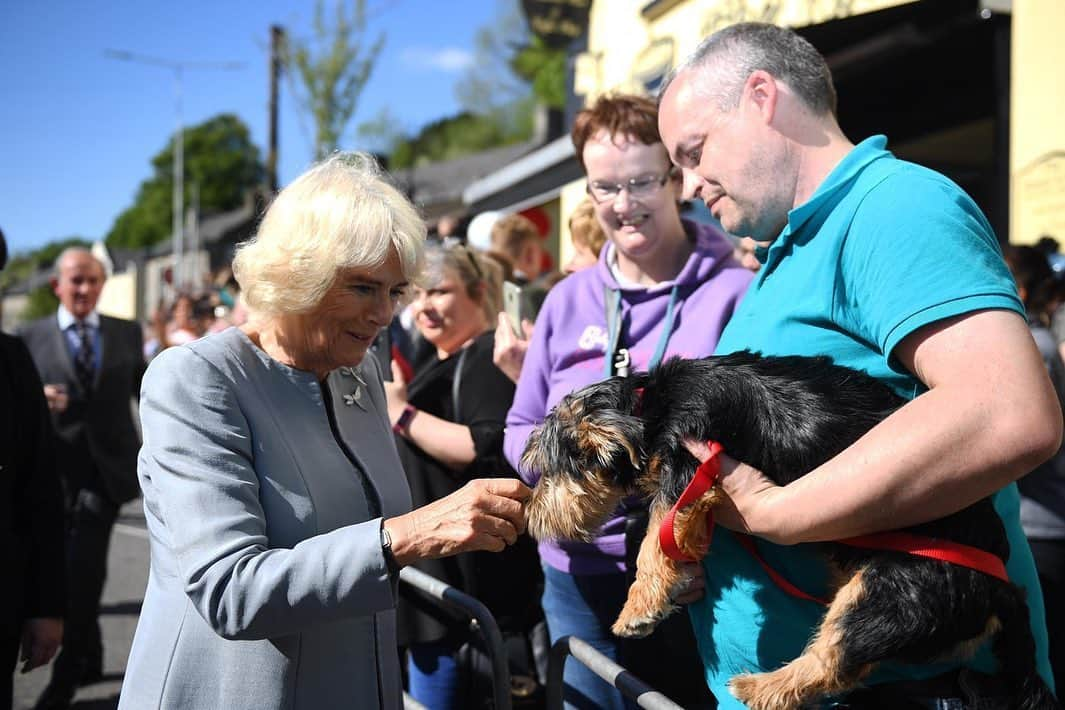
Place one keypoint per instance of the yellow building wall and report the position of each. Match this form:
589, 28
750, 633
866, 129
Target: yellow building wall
119, 296
1037, 121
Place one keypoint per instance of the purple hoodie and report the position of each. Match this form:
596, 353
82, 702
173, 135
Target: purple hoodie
567, 353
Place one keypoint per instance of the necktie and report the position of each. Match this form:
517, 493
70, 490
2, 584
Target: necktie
84, 362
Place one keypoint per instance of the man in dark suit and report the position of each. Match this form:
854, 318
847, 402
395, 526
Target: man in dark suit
91, 366
31, 517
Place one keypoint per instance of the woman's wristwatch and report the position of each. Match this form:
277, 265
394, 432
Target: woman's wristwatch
402, 425
386, 551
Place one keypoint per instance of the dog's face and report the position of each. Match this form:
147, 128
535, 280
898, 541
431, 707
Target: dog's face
589, 451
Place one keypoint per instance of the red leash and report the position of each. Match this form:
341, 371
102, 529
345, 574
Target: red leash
703, 480
943, 550
936, 549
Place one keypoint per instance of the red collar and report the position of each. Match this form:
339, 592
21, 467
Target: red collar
943, 550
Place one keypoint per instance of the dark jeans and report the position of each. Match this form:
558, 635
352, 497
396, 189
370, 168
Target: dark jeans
435, 676
585, 606
90, 518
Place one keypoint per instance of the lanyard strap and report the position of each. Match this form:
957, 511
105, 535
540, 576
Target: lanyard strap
612, 304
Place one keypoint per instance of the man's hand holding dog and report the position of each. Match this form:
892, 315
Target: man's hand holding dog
749, 495
695, 588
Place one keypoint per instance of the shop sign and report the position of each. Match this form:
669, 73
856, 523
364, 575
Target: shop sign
557, 22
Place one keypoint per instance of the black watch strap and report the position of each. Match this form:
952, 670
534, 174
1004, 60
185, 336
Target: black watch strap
386, 550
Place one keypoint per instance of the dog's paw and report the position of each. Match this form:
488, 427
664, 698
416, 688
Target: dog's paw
762, 691
634, 626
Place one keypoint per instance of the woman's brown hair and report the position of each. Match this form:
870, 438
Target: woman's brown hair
620, 115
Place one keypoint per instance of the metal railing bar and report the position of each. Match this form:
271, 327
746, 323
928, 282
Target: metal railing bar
630, 686
484, 621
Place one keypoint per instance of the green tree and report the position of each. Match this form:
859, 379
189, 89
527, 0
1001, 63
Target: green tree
332, 69
512, 70
23, 265
40, 302
449, 138
220, 159
545, 69
490, 85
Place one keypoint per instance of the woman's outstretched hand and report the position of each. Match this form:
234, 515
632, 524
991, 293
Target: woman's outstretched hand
485, 514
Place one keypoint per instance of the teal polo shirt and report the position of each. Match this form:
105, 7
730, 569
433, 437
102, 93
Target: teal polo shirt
882, 248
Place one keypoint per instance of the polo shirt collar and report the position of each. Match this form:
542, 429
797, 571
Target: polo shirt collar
67, 319
872, 148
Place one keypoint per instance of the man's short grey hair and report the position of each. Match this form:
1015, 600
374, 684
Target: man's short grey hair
342, 213
70, 251
735, 52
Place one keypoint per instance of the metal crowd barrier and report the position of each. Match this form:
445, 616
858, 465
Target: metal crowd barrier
410, 703
630, 686
481, 621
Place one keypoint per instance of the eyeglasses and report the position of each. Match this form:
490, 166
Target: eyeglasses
638, 187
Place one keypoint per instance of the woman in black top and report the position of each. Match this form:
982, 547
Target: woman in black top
449, 429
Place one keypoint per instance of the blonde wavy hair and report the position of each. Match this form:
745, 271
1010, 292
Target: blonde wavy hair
341, 213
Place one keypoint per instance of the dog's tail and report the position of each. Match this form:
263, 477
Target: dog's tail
1014, 648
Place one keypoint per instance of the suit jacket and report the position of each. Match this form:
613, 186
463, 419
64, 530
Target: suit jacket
268, 587
96, 433
31, 505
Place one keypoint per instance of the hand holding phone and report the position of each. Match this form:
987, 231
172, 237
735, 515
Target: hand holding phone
513, 303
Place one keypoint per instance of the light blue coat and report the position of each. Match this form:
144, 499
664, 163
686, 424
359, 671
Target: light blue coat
268, 587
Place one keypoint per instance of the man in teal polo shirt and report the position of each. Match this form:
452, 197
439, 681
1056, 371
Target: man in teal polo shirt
889, 268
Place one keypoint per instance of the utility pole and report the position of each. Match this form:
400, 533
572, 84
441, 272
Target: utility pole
178, 67
277, 39
192, 226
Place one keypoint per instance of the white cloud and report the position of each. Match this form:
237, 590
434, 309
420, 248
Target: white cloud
446, 59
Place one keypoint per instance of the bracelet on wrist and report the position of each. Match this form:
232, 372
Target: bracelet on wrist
402, 425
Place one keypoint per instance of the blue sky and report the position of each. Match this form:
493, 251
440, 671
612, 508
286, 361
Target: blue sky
78, 129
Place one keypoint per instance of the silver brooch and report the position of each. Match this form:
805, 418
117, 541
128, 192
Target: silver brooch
356, 394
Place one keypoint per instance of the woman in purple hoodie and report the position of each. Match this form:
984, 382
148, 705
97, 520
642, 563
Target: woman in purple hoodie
663, 287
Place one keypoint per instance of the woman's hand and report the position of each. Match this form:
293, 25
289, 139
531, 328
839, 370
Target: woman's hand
509, 351
749, 496
485, 514
41, 638
395, 393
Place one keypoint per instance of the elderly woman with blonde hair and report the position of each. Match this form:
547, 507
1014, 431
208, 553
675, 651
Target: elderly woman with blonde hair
276, 506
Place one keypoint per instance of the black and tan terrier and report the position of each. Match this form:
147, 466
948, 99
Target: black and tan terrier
784, 416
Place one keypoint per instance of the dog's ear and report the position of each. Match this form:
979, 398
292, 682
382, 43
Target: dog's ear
551, 447
532, 458
615, 441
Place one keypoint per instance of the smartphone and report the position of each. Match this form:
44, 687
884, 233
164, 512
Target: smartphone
513, 306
